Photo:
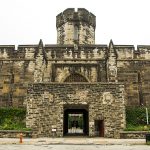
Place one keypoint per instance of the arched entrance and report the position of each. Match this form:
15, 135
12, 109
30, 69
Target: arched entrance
76, 120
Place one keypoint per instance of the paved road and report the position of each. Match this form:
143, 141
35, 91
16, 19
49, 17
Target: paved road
74, 147
74, 141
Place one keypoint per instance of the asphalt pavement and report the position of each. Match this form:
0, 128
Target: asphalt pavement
71, 141
74, 147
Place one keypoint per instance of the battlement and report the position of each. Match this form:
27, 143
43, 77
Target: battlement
82, 15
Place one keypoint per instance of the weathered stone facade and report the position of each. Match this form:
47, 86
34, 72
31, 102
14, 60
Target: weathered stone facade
100, 79
46, 102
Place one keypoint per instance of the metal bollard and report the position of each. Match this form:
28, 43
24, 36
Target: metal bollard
21, 135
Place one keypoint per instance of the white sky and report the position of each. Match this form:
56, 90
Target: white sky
28, 21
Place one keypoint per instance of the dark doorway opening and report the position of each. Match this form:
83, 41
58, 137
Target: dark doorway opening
76, 121
99, 128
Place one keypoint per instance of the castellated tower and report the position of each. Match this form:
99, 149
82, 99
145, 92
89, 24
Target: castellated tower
75, 27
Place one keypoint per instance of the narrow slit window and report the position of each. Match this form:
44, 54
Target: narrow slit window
76, 33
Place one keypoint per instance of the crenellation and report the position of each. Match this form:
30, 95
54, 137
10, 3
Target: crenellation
6, 51
144, 52
82, 53
125, 52
70, 15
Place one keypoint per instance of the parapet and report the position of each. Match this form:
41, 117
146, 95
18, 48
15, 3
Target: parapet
82, 15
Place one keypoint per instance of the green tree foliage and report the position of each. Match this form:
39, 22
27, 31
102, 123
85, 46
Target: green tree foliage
12, 118
136, 118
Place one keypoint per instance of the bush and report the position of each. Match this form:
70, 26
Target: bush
136, 119
136, 115
12, 119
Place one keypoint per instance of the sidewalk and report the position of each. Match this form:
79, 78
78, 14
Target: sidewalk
73, 141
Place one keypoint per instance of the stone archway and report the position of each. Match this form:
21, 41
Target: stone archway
75, 77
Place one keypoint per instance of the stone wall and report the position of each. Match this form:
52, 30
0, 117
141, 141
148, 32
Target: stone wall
135, 75
19, 67
133, 134
45, 106
16, 71
14, 133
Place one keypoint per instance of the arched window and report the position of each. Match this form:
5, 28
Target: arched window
75, 77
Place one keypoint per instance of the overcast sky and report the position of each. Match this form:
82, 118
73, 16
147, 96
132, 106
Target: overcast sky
28, 21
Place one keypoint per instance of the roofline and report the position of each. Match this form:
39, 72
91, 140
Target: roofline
71, 45
34, 45
132, 46
7, 46
141, 46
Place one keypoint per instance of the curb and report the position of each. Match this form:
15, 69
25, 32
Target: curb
68, 143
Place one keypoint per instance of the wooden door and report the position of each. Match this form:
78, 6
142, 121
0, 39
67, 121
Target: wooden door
99, 128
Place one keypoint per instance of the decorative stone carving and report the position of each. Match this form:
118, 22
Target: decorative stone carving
107, 98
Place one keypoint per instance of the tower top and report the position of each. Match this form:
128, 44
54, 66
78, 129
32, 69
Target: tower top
75, 27
82, 15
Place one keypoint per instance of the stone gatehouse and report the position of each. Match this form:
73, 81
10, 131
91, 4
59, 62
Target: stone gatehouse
75, 87
101, 104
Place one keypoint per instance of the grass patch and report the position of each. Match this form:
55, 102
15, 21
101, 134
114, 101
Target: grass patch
147, 143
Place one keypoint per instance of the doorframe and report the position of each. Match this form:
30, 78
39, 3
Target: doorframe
76, 108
